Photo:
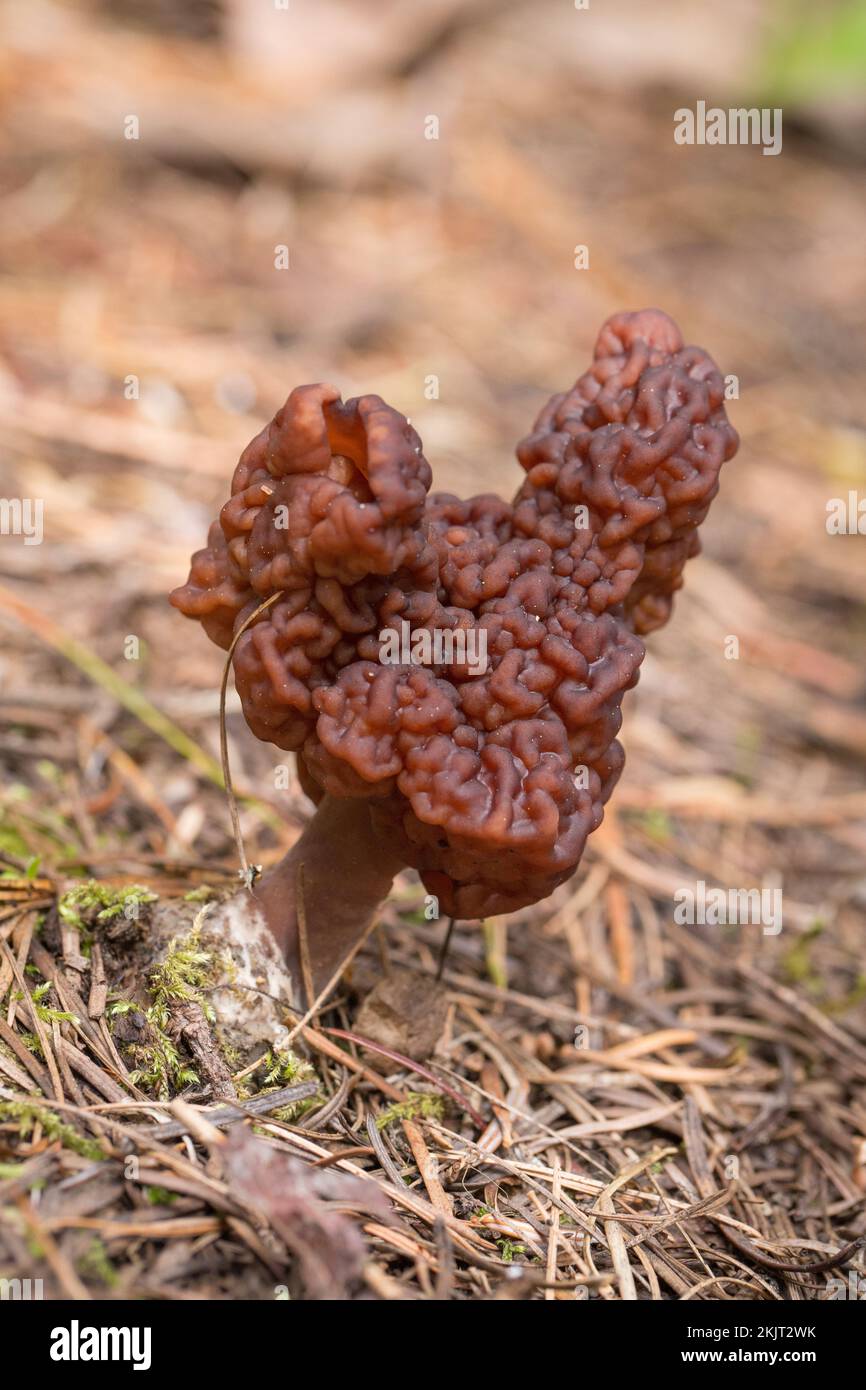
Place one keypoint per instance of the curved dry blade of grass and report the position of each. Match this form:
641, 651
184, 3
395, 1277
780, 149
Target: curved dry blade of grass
226, 773
132, 700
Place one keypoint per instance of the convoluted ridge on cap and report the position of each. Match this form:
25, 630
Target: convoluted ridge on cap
490, 780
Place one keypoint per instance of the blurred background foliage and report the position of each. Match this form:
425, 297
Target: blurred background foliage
816, 51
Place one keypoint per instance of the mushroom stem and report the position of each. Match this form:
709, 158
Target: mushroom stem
347, 873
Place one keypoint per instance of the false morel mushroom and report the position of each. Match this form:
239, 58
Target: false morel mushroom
449, 672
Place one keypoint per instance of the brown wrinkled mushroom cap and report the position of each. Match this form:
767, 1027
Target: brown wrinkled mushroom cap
490, 783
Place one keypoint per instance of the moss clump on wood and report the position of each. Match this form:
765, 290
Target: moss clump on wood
178, 979
91, 902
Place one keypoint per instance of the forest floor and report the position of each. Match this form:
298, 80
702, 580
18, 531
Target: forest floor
616, 1106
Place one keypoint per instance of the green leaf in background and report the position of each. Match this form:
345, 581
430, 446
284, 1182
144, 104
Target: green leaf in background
816, 51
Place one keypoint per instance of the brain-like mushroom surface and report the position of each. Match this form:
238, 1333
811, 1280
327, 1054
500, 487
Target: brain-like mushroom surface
462, 663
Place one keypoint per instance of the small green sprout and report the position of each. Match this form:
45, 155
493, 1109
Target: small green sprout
508, 1249
44, 1011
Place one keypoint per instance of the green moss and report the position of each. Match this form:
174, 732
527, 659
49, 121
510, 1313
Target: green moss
117, 1007
232, 1054
180, 977
91, 902
657, 825
508, 1249
12, 842
160, 1067
27, 1113
185, 970
797, 965
205, 894
95, 1264
284, 1069
44, 1011
160, 1196
417, 1105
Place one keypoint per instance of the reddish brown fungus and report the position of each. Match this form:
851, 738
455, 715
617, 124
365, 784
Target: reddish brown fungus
486, 775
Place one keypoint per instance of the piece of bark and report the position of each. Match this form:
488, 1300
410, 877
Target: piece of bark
188, 1022
98, 983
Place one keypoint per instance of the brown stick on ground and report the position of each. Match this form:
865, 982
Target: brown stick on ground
348, 872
